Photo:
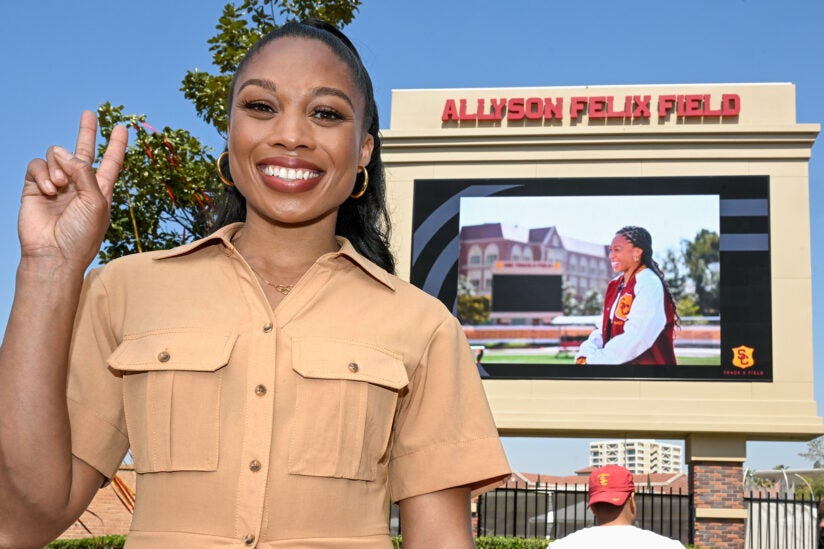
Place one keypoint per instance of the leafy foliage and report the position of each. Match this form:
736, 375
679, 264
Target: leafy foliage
496, 542
102, 542
570, 300
693, 275
753, 482
702, 259
167, 189
117, 542
473, 309
238, 28
591, 303
510, 543
163, 195
815, 452
802, 490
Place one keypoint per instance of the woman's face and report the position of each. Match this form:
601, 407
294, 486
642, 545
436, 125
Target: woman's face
296, 133
623, 255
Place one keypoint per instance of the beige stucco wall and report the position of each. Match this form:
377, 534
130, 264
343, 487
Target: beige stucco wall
764, 139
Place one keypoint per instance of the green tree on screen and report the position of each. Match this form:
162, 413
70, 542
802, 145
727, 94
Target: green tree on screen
702, 258
570, 301
166, 192
592, 304
692, 274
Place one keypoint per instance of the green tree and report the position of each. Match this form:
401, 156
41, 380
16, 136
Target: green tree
570, 301
692, 275
672, 267
163, 196
473, 310
678, 282
166, 191
686, 306
702, 259
803, 490
752, 482
592, 303
815, 452
465, 287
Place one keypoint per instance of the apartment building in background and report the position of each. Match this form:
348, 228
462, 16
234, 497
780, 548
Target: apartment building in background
640, 456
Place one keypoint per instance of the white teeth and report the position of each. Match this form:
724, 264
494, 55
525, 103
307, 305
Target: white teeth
288, 174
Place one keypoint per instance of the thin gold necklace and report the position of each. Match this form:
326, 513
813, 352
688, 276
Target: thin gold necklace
282, 288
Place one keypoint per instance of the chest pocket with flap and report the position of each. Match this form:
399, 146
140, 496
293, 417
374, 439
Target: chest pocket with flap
171, 394
345, 404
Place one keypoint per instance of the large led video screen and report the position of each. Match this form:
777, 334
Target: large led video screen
525, 265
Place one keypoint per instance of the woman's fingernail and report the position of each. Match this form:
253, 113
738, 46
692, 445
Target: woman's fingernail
49, 187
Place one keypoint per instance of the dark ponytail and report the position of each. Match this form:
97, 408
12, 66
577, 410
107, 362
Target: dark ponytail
640, 238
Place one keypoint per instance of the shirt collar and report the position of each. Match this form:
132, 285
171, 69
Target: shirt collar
225, 234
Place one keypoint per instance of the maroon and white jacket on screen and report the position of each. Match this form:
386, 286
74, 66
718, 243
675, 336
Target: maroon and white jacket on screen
642, 323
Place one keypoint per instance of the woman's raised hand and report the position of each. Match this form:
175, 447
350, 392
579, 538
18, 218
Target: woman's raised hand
64, 210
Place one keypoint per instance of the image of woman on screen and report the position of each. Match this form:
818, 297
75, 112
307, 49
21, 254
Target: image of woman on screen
639, 310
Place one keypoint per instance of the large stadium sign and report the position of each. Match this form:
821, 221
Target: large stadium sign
627, 107
505, 203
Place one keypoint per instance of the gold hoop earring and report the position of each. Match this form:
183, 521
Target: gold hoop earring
362, 191
222, 177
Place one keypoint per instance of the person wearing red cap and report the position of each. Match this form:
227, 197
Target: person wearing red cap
612, 501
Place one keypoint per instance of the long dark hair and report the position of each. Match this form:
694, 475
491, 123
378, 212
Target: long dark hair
640, 238
363, 221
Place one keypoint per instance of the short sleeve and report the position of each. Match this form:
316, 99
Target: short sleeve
444, 434
98, 426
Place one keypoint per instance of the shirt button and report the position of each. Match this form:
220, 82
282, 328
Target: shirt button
163, 356
249, 540
267, 327
254, 466
353, 367
260, 390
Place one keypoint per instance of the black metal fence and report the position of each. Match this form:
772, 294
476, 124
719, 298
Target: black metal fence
549, 511
776, 522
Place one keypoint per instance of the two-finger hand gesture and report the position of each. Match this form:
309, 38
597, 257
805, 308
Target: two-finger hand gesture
65, 205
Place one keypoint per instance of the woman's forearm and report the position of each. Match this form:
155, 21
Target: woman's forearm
36, 471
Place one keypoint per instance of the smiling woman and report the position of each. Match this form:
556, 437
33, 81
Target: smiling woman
297, 134
275, 382
639, 314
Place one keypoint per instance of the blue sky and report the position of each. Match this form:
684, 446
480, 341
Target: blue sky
62, 57
662, 216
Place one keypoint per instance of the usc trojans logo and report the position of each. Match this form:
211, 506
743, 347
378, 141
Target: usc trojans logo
742, 357
624, 305
603, 479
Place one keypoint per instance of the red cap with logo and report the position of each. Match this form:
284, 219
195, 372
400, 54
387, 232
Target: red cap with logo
610, 484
